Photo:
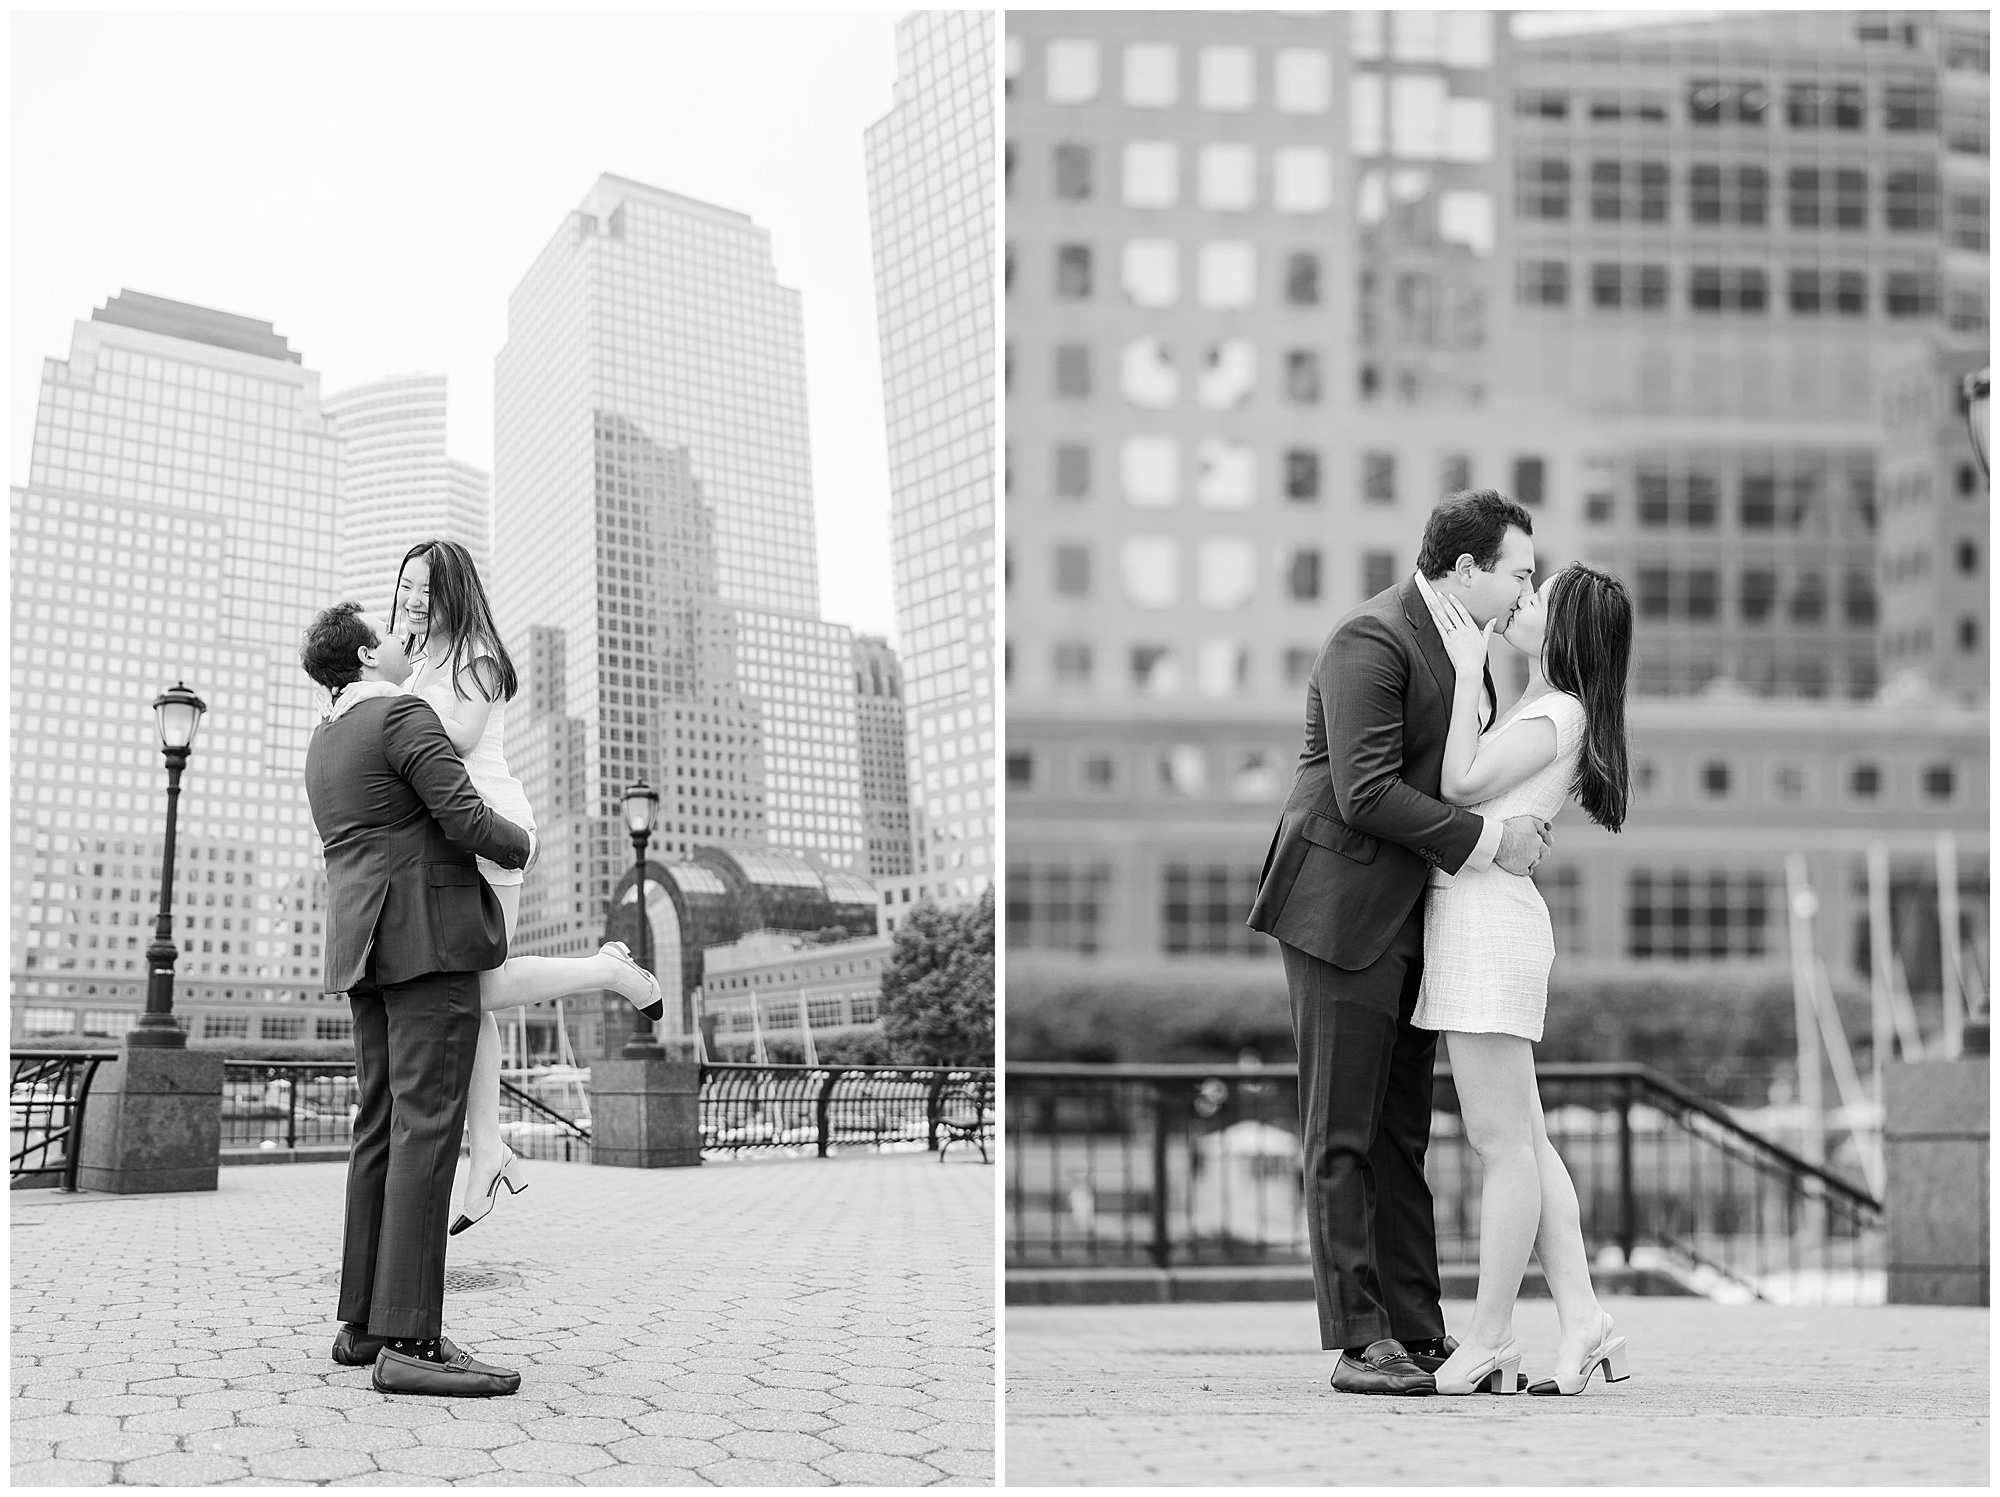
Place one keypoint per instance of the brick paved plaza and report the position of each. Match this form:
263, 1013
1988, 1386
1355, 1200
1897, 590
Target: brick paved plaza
779, 1323
1237, 1395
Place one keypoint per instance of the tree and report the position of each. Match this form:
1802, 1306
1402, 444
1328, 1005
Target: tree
937, 994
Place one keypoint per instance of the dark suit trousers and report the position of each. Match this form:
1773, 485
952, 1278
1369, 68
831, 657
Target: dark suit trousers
413, 1046
1365, 1106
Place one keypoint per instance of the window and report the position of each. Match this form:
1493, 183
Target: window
1072, 373
1298, 664
1226, 274
1152, 571
1542, 188
1072, 662
1150, 270
1940, 781
1302, 81
1644, 107
1727, 195
333, 1027
1732, 288
1965, 127
1530, 474
1020, 769
225, 1026
1968, 635
1628, 191
1072, 460
59, 1021
1864, 781
1154, 670
1302, 376
1073, 271
1788, 782
1968, 557
1070, 71
1809, 598
1378, 572
1152, 72
282, 1027
1302, 474
1824, 106
1759, 596
1541, 104
1857, 599
1228, 374
1052, 907
1378, 477
1911, 200
1910, 293
1225, 473
1732, 102
1151, 174
1227, 177
1203, 907
1545, 283
1715, 779
1072, 571
1225, 572
1302, 575
1965, 226
1301, 179
1681, 914
1099, 772
1150, 472
1613, 287
1226, 78
1072, 172
1302, 279
1909, 107
1147, 376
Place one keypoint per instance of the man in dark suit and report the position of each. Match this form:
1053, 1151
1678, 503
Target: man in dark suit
410, 926
1343, 891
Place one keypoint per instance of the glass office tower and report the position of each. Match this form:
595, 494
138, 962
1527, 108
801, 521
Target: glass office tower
177, 524
930, 188
398, 485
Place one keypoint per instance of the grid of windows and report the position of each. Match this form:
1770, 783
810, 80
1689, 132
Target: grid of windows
1203, 907
1684, 914
1057, 907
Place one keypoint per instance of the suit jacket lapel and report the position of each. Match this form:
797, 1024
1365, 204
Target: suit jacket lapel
1418, 612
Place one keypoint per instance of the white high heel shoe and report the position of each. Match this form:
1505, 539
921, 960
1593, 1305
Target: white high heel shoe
508, 1174
620, 952
1480, 1369
1608, 1353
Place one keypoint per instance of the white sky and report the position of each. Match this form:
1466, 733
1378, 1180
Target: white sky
376, 183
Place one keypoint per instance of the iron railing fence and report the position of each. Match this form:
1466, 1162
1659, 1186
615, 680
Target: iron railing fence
294, 1104
46, 1098
752, 1109
1187, 1165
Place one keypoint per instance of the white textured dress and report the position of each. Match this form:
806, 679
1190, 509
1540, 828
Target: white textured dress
1487, 942
485, 763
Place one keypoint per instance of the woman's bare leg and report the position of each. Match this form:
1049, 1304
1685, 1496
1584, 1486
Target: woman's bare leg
1565, 1260
482, 1097
1495, 1078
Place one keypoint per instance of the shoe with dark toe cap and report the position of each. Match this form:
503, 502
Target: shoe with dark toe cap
1430, 1362
457, 1376
1383, 1368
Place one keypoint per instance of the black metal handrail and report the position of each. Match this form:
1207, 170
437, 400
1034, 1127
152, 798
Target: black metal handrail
47, 1097
824, 1109
1129, 1164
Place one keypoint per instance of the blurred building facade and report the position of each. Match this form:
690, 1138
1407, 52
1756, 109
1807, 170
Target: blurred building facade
1276, 283
179, 514
773, 987
930, 190
399, 485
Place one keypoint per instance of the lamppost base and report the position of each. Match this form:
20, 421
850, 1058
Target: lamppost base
153, 1122
645, 1114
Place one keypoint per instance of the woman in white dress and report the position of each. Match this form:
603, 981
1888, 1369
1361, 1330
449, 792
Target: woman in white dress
465, 673
1488, 948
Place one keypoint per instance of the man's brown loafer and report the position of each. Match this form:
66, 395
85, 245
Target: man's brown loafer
1384, 1368
458, 1376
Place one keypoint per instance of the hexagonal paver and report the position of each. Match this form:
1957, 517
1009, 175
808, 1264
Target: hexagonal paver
551, 1458
860, 1467
775, 1445
365, 1439
123, 1446
469, 1434
244, 1439
682, 1423
451, 1463
62, 1474
666, 1450
311, 1464
763, 1474
186, 1469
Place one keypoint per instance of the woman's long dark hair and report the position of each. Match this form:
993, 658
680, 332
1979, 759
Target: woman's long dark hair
1587, 651
459, 609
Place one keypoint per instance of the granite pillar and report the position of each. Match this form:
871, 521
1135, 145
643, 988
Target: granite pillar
645, 1114
153, 1123
1935, 1137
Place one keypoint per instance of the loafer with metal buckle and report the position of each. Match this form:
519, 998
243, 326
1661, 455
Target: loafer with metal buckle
458, 1376
1384, 1368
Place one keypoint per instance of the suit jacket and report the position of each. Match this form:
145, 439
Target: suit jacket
400, 823
1364, 824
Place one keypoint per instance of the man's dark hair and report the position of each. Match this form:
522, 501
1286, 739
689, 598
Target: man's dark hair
1471, 521
330, 646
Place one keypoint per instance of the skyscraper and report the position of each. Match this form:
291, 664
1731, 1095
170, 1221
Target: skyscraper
653, 532
930, 187
398, 485
885, 739
178, 523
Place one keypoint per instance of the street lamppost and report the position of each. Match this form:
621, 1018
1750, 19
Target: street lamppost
642, 805
177, 713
